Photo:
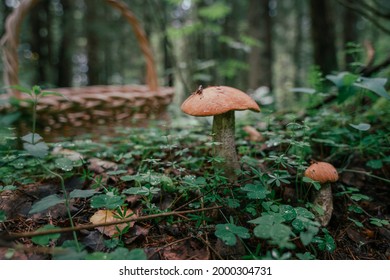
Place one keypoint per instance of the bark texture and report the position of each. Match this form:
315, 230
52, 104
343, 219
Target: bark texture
260, 56
323, 35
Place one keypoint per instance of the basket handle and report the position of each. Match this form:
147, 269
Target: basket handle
10, 42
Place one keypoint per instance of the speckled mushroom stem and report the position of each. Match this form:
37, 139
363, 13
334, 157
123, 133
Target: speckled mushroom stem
324, 199
224, 132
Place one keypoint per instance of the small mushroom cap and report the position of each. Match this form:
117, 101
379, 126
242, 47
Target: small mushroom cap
322, 172
216, 100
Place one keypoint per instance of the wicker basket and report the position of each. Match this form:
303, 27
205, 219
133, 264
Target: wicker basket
84, 106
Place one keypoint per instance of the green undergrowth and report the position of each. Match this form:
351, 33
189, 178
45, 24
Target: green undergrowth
167, 168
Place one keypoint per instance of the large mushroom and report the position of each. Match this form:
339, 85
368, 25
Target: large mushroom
221, 102
325, 174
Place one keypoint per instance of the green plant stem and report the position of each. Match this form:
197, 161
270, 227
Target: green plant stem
34, 119
355, 203
66, 201
366, 173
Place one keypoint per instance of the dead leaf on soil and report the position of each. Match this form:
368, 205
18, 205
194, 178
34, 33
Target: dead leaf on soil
99, 166
353, 178
107, 216
230, 251
70, 154
187, 250
132, 200
135, 233
356, 236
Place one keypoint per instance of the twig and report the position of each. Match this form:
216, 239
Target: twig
194, 199
366, 173
15, 235
368, 71
375, 11
209, 246
171, 244
371, 18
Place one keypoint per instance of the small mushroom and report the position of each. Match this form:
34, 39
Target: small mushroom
325, 174
253, 134
221, 102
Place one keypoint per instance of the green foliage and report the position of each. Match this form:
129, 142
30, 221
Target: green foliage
281, 222
146, 190
186, 30
69, 251
54, 199
45, 240
3, 216
357, 223
46, 203
361, 126
316, 184
7, 188
256, 190
348, 84
270, 226
64, 164
125, 254
278, 179
228, 233
325, 243
379, 222
118, 254
350, 87
33, 146
305, 256
316, 79
355, 51
215, 11
109, 201
231, 67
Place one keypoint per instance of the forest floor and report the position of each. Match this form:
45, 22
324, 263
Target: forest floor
159, 172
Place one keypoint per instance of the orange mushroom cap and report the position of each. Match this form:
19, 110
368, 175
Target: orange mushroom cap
216, 100
322, 172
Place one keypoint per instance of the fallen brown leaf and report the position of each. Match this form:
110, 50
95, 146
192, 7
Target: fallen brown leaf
99, 166
70, 154
107, 216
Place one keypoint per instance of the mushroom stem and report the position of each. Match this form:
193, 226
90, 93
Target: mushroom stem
224, 132
324, 199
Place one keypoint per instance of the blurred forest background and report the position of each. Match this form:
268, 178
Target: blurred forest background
266, 45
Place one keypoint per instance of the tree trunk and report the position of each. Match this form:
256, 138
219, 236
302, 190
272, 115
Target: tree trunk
260, 56
95, 67
183, 51
298, 46
65, 66
323, 35
40, 41
350, 35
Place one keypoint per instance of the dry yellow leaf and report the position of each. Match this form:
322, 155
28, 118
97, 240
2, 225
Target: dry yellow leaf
107, 216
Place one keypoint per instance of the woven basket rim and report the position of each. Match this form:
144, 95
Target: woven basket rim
10, 42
